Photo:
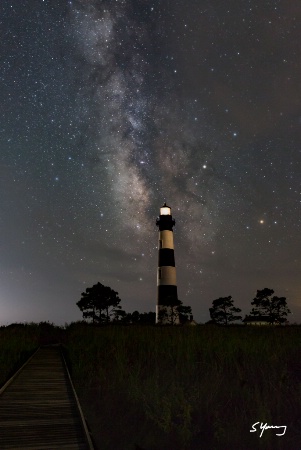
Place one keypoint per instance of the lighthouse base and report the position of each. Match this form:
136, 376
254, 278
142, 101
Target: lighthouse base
167, 315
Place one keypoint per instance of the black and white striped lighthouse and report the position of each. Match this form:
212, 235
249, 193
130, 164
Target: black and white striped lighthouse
166, 276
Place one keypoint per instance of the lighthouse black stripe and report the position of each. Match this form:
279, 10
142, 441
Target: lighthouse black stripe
166, 257
165, 223
167, 293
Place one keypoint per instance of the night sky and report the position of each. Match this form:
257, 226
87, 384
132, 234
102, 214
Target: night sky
110, 108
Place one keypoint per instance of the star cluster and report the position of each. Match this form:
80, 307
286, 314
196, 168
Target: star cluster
111, 108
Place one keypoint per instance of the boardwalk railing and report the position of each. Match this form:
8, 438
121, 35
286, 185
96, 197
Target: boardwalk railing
39, 408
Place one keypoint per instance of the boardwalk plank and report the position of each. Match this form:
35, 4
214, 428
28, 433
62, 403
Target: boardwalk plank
39, 410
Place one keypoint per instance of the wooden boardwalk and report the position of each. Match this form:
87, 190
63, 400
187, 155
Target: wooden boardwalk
39, 408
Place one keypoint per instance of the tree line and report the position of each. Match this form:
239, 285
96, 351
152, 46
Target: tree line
101, 305
265, 305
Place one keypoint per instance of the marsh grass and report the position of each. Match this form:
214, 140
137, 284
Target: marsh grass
196, 387
17, 342
180, 388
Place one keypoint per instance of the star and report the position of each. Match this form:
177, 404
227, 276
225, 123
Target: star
108, 112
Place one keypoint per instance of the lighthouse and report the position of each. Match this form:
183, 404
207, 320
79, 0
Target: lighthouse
166, 275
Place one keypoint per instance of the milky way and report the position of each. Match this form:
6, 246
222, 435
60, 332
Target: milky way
111, 108
150, 144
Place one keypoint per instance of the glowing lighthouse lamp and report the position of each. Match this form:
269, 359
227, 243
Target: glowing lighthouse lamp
166, 275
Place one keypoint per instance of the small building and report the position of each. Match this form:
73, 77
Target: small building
190, 321
260, 320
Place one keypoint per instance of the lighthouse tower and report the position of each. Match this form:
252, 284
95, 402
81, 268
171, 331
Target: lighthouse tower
166, 276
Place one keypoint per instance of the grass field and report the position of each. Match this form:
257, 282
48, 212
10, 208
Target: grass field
16, 345
189, 387
181, 388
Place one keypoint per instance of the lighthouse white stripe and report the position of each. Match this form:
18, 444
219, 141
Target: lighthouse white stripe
166, 237
166, 275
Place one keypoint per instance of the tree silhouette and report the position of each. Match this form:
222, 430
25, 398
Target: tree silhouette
119, 315
173, 311
184, 312
274, 307
99, 303
134, 317
146, 318
222, 311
